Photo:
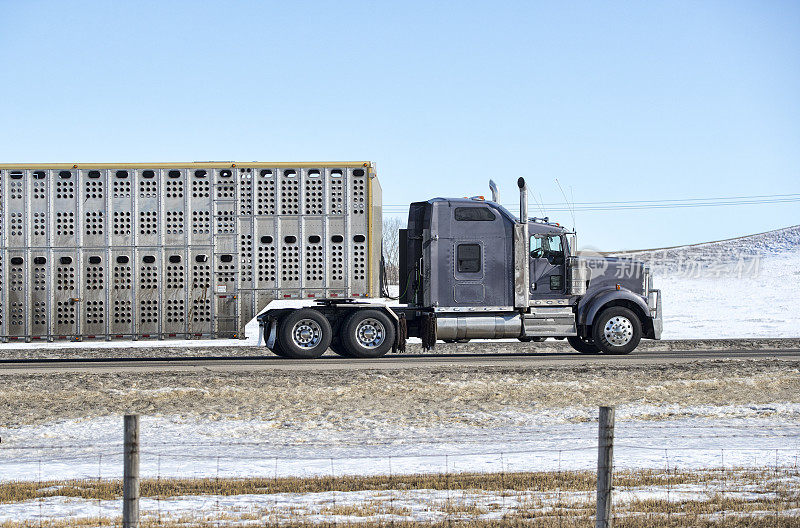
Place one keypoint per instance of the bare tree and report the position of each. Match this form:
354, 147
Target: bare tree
391, 248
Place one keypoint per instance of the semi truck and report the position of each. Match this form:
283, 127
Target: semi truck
197, 250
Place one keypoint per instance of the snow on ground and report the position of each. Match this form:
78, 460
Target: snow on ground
763, 304
744, 287
418, 505
180, 447
56, 424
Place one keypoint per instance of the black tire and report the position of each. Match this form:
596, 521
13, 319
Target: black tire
304, 334
531, 339
338, 348
367, 324
628, 327
584, 346
276, 349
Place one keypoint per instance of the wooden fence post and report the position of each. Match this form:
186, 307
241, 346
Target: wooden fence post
605, 454
130, 482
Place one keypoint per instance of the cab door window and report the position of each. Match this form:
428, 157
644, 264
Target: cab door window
548, 247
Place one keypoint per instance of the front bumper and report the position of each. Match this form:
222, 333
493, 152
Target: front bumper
654, 303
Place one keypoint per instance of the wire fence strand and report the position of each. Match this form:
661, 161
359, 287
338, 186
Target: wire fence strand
558, 480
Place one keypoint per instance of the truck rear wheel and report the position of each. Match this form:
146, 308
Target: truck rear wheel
276, 348
303, 334
367, 334
338, 348
584, 346
616, 330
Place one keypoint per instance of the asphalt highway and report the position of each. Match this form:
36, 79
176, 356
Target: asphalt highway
390, 362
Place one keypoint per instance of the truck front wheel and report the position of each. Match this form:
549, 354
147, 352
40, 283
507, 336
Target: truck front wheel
616, 330
367, 334
584, 346
303, 334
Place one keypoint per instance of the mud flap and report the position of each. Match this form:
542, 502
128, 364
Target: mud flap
401, 335
427, 331
273, 334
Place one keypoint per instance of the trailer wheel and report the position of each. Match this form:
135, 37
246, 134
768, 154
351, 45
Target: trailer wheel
616, 330
304, 334
531, 339
367, 334
584, 346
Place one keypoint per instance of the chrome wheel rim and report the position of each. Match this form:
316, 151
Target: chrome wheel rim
306, 333
370, 333
618, 331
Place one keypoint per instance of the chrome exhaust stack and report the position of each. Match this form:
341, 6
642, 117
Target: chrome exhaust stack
495, 192
523, 201
522, 251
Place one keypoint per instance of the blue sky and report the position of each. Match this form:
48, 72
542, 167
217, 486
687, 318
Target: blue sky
619, 101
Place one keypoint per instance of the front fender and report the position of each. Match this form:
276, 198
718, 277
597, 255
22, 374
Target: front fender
589, 307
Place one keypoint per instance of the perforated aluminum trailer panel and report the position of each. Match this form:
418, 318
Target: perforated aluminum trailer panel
195, 250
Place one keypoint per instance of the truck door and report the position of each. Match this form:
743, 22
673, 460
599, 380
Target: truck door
547, 266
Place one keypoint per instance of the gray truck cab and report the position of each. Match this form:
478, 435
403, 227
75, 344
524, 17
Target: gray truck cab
484, 273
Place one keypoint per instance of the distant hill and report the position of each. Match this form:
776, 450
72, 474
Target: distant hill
741, 249
779, 240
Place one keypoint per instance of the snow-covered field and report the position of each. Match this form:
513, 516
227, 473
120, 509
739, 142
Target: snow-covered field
745, 287
459, 419
756, 436
661, 438
388, 506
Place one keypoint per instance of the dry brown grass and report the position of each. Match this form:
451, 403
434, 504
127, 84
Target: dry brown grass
366, 509
543, 500
551, 521
461, 510
530, 481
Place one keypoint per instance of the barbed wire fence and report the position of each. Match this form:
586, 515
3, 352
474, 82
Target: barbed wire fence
226, 482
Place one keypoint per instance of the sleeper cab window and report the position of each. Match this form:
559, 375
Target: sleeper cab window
468, 258
473, 214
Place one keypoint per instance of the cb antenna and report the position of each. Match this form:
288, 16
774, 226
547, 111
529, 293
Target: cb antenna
538, 203
570, 205
572, 199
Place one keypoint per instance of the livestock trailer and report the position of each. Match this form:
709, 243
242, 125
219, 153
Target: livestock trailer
179, 250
